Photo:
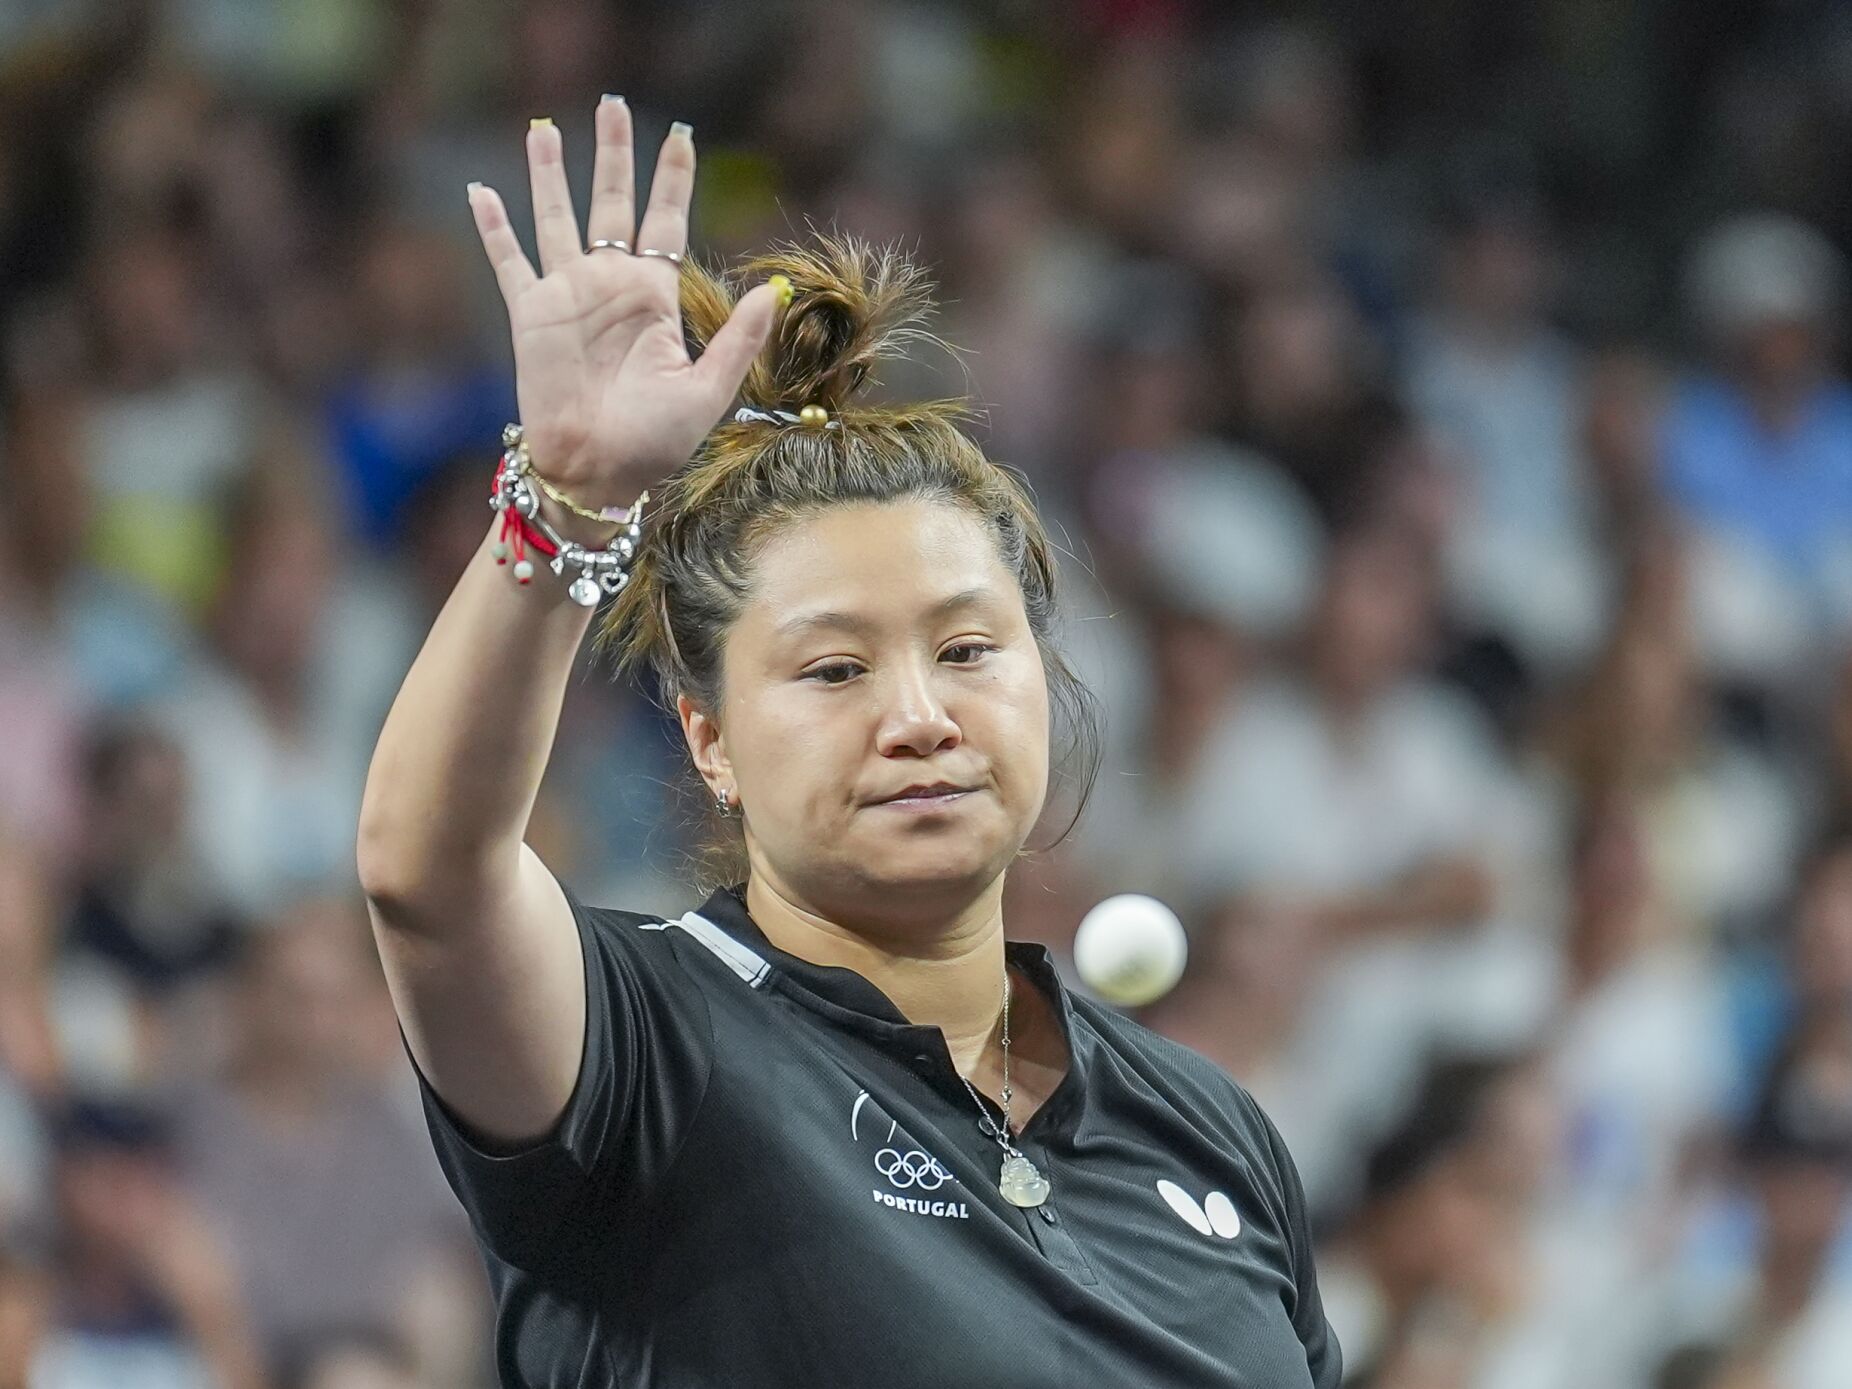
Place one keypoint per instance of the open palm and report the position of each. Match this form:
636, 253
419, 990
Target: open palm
609, 399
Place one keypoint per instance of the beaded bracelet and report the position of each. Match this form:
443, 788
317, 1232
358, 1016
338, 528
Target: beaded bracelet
514, 440
603, 571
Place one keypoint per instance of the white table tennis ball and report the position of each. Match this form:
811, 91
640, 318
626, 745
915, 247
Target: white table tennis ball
1130, 949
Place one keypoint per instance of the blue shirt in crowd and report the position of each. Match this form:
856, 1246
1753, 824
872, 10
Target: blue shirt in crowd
1789, 492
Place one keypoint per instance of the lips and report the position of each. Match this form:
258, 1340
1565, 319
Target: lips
925, 793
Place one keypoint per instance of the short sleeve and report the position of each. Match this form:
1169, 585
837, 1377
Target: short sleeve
1323, 1357
647, 1060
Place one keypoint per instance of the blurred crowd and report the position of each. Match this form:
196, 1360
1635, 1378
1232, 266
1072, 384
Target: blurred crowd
1443, 412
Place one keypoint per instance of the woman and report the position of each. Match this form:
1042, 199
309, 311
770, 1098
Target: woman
816, 1132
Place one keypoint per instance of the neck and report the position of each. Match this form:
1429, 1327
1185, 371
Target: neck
944, 971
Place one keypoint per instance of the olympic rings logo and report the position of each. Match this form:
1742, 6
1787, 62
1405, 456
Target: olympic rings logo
912, 1168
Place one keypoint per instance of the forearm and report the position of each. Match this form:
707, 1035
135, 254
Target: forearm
460, 757
610, 403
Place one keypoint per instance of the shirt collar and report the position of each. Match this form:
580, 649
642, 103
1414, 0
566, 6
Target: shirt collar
849, 996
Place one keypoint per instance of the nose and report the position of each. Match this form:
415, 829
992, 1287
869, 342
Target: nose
914, 717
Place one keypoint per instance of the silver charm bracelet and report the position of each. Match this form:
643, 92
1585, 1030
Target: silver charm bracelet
602, 572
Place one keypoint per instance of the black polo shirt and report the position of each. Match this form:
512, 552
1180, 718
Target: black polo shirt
767, 1176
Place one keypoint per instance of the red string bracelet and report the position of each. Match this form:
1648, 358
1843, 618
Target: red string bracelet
522, 530
604, 571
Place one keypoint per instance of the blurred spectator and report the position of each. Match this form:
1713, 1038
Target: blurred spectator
1215, 546
1427, 1263
1623, 404
1303, 387
1013, 316
421, 391
468, 80
143, 903
1484, 363
44, 696
67, 1021
1124, 142
297, 673
1190, 668
1722, 819
1804, 971
1243, 996
328, 1201
172, 420
1636, 1064
1760, 450
1486, 369
1361, 811
1218, 529
1272, 166
1769, 1264
147, 1299
91, 637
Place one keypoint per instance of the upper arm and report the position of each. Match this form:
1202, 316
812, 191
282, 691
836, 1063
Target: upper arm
491, 998
562, 1054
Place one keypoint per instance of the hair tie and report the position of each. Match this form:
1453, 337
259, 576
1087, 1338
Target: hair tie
814, 416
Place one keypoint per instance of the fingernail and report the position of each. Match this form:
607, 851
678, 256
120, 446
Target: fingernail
682, 128
474, 184
538, 121
613, 96
781, 286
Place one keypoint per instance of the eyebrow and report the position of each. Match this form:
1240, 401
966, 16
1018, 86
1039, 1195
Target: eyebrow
834, 619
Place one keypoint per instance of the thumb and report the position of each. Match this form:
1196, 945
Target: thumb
729, 353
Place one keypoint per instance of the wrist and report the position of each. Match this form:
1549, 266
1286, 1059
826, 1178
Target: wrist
538, 517
592, 510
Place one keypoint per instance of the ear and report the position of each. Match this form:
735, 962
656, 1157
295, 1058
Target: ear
705, 744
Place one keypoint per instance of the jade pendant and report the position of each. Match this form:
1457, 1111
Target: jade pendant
1020, 1183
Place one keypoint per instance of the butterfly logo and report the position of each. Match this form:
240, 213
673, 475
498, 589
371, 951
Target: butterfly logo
1215, 1216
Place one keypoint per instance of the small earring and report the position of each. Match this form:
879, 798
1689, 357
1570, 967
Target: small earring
722, 801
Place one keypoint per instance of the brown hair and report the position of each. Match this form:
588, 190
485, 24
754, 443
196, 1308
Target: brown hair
854, 304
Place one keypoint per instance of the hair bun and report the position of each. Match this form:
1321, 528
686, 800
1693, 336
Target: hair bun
853, 304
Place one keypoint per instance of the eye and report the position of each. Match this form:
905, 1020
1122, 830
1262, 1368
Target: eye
978, 649
836, 673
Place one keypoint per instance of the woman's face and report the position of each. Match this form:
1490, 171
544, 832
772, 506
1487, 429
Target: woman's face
884, 647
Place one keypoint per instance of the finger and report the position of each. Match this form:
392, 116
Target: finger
613, 216
556, 227
512, 270
729, 353
665, 223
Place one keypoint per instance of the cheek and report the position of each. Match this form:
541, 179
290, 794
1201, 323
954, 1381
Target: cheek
1011, 723
797, 752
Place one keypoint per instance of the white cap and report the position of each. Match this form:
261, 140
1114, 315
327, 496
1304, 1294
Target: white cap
1761, 266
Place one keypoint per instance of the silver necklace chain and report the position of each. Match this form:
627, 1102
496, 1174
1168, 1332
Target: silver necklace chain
1002, 1137
1020, 1182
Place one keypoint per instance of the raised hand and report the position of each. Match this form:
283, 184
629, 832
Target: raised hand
610, 402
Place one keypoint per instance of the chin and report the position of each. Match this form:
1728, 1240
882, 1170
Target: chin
935, 868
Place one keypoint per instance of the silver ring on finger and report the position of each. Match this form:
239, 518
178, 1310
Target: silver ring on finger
603, 245
673, 257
